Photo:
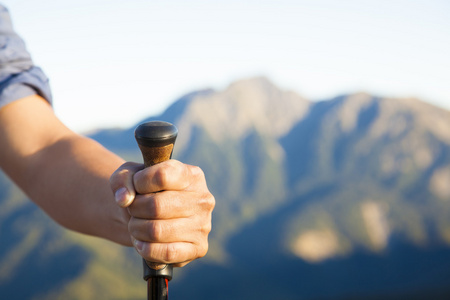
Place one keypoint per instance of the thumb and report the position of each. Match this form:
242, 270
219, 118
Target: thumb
124, 197
121, 182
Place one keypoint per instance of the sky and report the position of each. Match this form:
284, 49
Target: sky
112, 63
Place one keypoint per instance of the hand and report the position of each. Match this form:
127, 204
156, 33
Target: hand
170, 210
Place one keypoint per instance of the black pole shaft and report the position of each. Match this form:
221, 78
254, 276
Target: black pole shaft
158, 288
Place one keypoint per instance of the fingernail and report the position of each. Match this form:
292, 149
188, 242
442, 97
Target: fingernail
139, 245
122, 197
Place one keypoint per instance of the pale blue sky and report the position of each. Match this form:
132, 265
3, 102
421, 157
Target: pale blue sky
113, 62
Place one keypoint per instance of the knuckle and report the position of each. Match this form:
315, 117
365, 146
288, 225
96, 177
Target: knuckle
208, 202
156, 205
171, 254
151, 254
118, 176
198, 175
155, 230
206, 228
162, 176
126, 168
197, 171
202, 250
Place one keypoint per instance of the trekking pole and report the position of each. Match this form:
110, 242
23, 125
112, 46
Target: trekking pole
156, 140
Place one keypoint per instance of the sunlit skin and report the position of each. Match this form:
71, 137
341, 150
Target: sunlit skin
88, 189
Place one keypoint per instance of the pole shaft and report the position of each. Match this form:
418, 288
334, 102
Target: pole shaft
158, 288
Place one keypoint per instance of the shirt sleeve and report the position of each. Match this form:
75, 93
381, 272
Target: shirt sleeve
18, 76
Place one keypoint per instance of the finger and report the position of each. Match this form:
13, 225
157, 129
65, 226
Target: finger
164, 205
121, 182
178, 253
168, 231
167, 175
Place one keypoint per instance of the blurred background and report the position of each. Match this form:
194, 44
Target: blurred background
323, 128
98, 53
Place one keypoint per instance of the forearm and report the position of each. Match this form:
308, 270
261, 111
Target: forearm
78, 169
64, 173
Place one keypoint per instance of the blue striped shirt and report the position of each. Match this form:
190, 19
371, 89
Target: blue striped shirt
18, 76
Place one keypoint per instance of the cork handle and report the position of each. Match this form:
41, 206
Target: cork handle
155, 155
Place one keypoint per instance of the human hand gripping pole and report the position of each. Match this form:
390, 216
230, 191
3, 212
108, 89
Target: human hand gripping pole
156, 140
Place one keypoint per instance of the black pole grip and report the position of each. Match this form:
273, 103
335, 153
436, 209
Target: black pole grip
156, 140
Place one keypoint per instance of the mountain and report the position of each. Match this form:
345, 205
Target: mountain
347, 198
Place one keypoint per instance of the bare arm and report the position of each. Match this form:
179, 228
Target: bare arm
66, 174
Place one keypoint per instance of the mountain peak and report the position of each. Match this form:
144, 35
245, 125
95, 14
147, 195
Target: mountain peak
259, 82
246, 105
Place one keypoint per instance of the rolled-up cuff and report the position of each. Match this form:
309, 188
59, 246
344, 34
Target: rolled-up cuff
29, 82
